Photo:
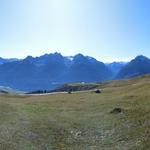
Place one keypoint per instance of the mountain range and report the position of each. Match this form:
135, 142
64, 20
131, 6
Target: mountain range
52, 70
115, 67
136, 67
5, 60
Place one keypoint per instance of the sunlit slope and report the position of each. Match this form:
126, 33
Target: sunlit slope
137, 81
7, 90
81, 120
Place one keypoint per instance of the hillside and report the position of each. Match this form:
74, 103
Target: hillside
7, 90
115, 67
138, 66
118, 118
75, 87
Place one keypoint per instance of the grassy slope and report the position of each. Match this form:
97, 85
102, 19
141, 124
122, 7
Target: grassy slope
79, 121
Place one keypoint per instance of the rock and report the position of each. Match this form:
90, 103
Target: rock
97, 91
116, 111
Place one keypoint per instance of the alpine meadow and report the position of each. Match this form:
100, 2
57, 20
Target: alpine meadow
74, 75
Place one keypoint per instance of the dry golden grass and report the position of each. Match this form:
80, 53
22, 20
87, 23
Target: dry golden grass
79, 121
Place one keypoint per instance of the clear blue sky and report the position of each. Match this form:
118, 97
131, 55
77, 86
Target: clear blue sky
105, 29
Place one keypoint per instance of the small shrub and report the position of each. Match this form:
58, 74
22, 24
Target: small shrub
69, 92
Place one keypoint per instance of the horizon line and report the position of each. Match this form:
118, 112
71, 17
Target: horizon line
35, 56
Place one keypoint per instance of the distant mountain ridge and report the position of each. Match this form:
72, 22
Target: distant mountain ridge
115, 67
50, 71
6, 60
136, 67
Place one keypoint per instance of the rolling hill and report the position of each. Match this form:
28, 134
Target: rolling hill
117, 118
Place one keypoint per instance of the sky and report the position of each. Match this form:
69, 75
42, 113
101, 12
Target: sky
109, 30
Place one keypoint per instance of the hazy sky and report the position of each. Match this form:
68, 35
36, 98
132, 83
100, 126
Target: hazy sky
105, 29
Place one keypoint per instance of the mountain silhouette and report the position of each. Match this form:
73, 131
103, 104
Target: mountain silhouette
138, 66
51, 70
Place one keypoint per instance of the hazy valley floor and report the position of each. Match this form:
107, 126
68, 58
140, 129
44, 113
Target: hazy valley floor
79, 121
